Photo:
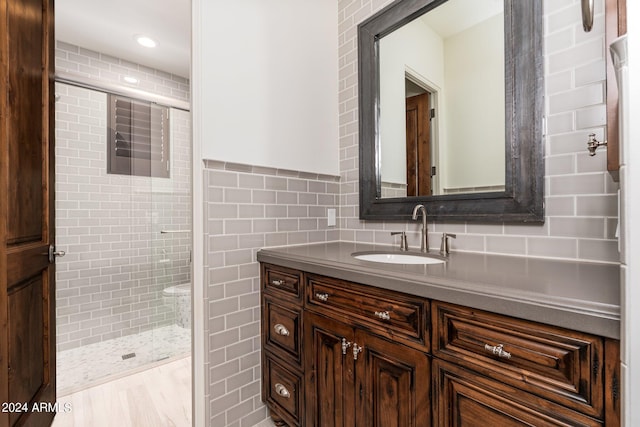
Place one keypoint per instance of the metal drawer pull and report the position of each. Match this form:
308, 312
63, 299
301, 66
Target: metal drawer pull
498, 351
281, 330
277, 282
345, 345
384, 315
322, 296
356, 349
282, 390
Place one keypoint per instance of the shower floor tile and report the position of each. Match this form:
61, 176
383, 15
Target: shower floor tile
85, 366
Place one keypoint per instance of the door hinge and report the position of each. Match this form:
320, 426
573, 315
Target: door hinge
433, 171
432, 113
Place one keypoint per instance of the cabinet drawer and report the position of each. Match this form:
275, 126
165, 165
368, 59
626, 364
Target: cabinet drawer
397, 314
283, 390
282, 328
469, 399
556, 364
281, 281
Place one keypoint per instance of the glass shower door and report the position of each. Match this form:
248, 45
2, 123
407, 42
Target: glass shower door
171, 244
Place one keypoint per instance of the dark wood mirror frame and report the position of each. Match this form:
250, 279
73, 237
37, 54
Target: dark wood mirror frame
523, 198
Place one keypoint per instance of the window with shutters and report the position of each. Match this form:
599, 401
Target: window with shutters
138, 138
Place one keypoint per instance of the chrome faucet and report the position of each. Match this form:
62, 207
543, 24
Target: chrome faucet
424, 240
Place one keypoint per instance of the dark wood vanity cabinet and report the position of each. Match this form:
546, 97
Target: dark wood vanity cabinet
337, 353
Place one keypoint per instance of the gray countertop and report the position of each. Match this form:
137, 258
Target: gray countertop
576, 295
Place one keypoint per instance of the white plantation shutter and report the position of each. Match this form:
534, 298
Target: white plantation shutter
138, 138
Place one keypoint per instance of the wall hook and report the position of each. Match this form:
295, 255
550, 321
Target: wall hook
593, 144
587, 15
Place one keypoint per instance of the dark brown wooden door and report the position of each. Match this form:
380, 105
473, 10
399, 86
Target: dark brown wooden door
418, 131
329, 373
27, 328
392, 384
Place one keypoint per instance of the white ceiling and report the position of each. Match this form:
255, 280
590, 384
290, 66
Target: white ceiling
455, 16
110, 27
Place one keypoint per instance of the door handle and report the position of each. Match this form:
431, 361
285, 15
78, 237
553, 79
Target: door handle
53, 254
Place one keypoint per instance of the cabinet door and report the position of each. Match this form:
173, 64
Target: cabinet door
463, 398
392, 384
329, 373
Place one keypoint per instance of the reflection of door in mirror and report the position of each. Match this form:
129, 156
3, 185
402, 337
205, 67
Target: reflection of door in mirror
418, 141
455, 52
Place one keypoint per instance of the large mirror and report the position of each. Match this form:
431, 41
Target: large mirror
451, 110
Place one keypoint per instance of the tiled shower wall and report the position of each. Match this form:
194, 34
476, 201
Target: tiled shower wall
109, 284
248, 208
580, 196
98, 66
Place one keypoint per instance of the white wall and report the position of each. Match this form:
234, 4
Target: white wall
471, 104
270, 79
415, 46
473, 152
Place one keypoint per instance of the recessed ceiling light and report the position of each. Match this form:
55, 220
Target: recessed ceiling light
130, 79
145, 41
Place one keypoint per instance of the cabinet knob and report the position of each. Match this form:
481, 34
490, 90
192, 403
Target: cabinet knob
498, 351
277, 282
281, 330
322, 296
282, 391
384, 315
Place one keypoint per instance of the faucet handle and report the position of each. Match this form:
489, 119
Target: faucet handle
403, 239
444, 245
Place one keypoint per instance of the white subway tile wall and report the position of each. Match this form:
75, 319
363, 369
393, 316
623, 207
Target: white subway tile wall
98, 66
110, 282
580, 195
248, 208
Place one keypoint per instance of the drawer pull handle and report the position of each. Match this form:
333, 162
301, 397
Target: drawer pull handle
384, 315
345, 345
277, 282
498, 351
322, 296
282, 391
356, 349
281, 330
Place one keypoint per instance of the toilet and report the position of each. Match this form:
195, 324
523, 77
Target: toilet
178, 298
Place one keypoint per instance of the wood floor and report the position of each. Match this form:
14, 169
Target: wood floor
157, 397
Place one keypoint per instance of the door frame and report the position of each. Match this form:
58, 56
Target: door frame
435, 101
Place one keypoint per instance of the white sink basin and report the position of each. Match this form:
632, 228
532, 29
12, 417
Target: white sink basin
398, 258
